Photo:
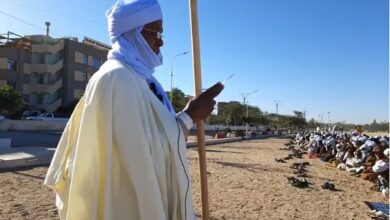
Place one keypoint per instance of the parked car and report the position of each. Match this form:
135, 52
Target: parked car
48, 117
31, 113
231, 135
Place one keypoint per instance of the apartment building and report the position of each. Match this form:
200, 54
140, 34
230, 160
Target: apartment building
49, 72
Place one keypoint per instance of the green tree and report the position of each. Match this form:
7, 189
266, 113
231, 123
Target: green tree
231, 113
298, 114
10, 100
179, 100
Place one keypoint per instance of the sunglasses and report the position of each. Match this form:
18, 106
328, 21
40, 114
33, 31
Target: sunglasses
158, 34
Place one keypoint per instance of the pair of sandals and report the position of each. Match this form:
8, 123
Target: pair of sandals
280, 160
329, 186
302, 175
297, 165
297, 182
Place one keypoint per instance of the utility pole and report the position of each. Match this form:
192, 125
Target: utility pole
277, 108
244, 96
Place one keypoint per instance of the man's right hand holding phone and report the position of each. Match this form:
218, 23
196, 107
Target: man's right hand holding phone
201, 107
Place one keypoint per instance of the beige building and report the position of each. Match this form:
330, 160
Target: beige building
49, 72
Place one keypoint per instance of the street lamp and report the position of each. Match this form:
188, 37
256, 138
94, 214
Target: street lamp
244, 96
277, 108
173, 60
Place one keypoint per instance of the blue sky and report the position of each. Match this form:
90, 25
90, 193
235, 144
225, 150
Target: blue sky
317, 56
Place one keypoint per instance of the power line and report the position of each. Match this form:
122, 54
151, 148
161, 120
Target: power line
55, 13
25, 22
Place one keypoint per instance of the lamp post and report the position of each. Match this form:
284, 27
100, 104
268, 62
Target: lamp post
173, 60
245, 95
277, 108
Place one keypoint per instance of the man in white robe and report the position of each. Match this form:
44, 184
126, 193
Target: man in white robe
122, 154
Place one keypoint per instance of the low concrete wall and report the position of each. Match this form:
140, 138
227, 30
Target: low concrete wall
228, 140
27, 125
32, 138
214, 141
5, 143
232, 128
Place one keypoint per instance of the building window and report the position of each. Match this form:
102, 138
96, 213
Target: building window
41, 78
46, 78
11, 65
96, 62
34, 78
34, 58
85, 61
61, 55
57, 75
41, 58
85, 76
34, 99
40, 99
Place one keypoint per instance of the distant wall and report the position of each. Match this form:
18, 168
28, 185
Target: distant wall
232, 128
27, 125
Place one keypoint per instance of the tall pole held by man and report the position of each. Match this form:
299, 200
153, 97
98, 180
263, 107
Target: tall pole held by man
198, 90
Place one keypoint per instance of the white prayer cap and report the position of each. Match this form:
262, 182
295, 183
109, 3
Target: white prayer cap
386, 152
362, 138
368, 145
127, 15
380, 166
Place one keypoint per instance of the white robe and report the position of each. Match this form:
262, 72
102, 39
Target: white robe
122, 155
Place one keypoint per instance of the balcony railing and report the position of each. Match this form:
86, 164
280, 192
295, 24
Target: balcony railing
47, 68
52, 107
47, 47
42, 88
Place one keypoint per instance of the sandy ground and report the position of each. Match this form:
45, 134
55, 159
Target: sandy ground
23, 195
244, 183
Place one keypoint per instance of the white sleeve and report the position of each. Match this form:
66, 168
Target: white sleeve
186, 119
186, 122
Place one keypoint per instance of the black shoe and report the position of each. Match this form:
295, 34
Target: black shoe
325, 185
332, 187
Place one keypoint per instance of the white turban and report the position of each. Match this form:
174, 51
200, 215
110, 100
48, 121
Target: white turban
127, 15
380, 166
386, 152
368, 145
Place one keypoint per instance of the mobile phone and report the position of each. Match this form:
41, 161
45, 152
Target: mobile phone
224, 81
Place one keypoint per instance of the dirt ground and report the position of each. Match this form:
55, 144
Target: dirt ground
244, 182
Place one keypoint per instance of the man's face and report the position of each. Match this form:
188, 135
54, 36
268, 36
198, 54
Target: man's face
152, 34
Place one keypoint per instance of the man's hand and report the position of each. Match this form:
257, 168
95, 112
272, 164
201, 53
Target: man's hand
201, 107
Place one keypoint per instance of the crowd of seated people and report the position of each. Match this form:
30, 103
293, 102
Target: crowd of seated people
361, 155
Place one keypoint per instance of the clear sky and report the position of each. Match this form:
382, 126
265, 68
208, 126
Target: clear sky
317, 56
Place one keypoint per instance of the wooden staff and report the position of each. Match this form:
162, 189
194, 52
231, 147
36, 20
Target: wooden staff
198, 90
